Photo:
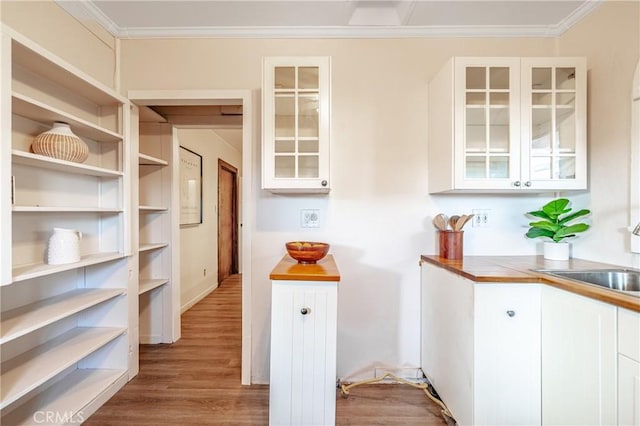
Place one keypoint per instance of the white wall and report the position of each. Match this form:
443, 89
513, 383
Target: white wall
611, 41
199, 243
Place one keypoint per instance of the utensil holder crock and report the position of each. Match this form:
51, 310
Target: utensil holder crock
450, 244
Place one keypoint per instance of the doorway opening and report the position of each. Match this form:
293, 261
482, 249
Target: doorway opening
208, 98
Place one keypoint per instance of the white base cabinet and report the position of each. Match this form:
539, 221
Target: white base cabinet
578, 360
303, 353
480, 347
628, 367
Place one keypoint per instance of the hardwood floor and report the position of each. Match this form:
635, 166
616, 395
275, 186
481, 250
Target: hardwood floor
197, 380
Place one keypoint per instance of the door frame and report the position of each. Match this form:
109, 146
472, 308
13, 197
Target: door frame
223, 165
215, 97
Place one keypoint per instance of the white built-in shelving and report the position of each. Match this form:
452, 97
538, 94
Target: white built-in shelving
35, 160
34, 367
151, 246
63, 328
25, 319
146, 285
157, 230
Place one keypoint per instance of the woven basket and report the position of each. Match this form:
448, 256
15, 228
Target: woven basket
60, 143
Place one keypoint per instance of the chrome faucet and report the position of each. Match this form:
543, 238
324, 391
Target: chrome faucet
636, 230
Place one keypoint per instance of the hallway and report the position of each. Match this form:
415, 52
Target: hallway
197, 380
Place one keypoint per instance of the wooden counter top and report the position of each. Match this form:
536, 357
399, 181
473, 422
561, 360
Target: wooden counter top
519, 269
289, 269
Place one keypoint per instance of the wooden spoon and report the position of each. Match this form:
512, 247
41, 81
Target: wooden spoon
453, 220
463, 221
440, 222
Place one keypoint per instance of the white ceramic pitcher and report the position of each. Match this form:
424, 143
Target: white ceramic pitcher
64, 246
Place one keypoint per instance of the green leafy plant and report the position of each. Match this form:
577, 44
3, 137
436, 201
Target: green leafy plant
555, 216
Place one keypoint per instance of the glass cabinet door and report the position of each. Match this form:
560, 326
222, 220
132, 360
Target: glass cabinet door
554, 122
296, 126
488, 106
553, 116
296, 122
487, 144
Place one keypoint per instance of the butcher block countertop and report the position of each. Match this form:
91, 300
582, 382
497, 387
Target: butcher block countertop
520, 269
289, 269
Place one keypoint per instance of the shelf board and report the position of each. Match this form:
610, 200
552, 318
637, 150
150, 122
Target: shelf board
26, 272
153, 209
25, 319
151, 246
35, 58
43, 162
147, 160
25, 372
54, 209
146, 285
39, 111
68, 396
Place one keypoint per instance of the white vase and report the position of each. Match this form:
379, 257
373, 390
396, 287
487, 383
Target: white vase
64, 246
556, 251
60, 142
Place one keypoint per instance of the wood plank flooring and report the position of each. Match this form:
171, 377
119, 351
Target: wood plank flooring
196, 381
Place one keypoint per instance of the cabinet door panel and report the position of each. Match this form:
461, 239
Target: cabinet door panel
628, 391
303, 352
578, 360
507, 354
296, 115
554, 123
486, 116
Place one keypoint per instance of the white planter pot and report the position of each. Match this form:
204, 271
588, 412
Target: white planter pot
556, 251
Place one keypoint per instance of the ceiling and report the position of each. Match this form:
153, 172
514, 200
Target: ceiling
332, 18
224, 120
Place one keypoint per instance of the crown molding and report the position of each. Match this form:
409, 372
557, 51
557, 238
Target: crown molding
575, 16
86, 9
341, 32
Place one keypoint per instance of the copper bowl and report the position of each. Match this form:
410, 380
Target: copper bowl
307, 251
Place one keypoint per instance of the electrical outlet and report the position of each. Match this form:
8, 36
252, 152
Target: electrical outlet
480, 218
310, 218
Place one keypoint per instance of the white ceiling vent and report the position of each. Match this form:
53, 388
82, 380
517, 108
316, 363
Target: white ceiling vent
374, 15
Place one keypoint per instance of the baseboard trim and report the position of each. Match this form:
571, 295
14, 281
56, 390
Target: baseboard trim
196, 299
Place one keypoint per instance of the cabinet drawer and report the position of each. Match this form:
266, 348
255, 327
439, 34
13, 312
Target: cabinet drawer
629, 334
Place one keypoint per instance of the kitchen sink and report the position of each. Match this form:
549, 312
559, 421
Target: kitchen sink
623, 280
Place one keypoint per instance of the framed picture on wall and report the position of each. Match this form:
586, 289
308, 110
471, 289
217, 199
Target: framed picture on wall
190, 187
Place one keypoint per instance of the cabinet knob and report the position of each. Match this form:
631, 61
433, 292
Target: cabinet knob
511, 313
305, 311
324, 183
517, 184
527, 183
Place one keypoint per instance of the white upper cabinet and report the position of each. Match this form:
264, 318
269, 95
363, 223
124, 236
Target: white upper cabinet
508, 124
295, 124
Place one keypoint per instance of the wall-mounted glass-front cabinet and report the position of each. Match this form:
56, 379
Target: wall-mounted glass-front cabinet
514, 124
295, 128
